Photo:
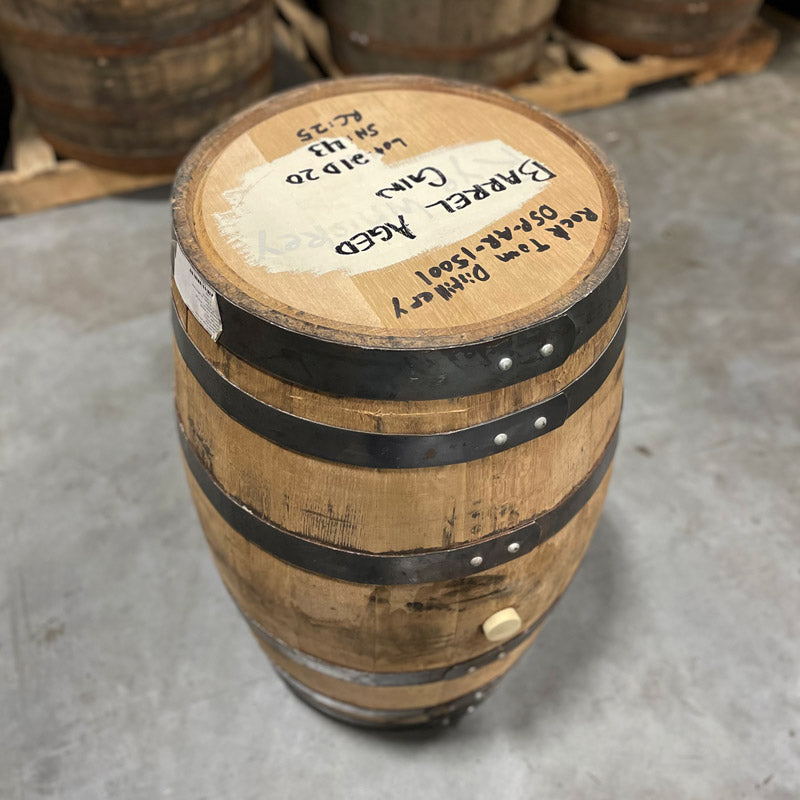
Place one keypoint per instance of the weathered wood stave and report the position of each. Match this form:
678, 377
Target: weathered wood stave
498, 43
388, 653
659, 27
116, 18
135, 97
277, 595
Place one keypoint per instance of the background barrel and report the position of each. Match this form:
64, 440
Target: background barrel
132, 86
659, 27
398, 442
497, 43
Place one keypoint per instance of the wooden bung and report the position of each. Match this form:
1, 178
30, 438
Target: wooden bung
399, 324
659, 27
498, 43
132, 86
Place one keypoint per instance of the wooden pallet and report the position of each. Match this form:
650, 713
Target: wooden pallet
577, 75
38, 180
574, 74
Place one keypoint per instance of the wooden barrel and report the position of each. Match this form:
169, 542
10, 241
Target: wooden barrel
398, 349
659, 27
132, 86
497, 43
5, 117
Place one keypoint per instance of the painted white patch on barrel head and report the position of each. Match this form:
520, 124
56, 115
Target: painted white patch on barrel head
332, 206
199, 297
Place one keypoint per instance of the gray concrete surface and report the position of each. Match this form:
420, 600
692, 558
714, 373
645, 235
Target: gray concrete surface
670, 670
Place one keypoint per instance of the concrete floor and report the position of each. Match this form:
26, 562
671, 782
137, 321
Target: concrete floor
670, 670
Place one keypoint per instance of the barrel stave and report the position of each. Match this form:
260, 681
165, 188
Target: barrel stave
393, 416
671, 28
392, 628
498, 43
394, 557
138, 99
326, 501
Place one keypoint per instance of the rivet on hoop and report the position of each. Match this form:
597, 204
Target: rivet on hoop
546, 349
540, 423
478, 696
500, 439
505, 363
513, 547
471, 670
470, 709
501, 655
476, 561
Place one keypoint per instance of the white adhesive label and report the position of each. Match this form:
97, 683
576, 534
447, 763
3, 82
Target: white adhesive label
199, 297
333, 206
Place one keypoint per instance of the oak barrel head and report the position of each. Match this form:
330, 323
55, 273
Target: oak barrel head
399, 315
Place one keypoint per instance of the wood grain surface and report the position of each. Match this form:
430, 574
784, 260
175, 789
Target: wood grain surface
234, 173
396, 510
497, 43
659, 27
396, 416
392, 628
133, 86
411, 626
397, 697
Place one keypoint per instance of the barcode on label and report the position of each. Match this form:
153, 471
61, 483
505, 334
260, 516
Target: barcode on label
199, 297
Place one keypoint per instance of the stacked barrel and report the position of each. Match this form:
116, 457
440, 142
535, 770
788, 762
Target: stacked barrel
132, 86
502, 42
498, 42
659, 27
